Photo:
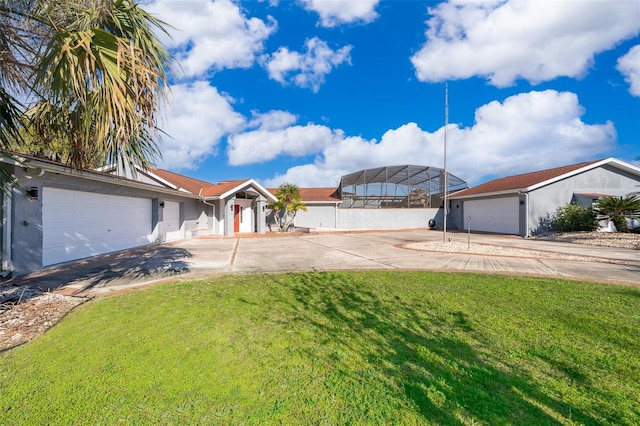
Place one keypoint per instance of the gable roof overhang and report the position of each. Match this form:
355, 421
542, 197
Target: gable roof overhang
205, 190
515, 191
618, 164
98, 176
520, 184
228, 189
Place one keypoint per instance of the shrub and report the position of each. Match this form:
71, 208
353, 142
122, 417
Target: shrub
573, 217
618, 209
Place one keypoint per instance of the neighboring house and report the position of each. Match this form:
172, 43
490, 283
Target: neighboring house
522, 204
54, 214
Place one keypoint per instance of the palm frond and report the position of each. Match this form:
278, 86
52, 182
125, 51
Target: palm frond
113, 77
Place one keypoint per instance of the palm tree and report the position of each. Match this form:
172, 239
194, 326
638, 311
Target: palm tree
287, 206
16, 44
93, 74
618, 209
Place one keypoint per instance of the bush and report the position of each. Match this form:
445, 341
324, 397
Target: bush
572, 218
619, 209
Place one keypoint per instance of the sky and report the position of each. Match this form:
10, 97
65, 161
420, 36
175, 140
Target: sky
306, 91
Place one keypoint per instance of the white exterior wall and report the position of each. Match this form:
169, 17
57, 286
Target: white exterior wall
603, 180
318, 216
385, 218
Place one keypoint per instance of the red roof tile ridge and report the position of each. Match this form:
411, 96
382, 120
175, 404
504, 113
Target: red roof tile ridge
177, 175
523, 180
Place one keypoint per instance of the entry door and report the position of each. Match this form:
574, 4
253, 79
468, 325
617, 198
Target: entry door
171, 219
237, 211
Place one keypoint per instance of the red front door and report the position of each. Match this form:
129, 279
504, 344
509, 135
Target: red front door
236, 218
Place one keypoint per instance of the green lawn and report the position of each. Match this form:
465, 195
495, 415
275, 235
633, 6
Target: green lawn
337, 348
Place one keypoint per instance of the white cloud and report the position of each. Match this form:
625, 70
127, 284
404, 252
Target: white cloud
261, 145
534, 40
272, 120
629, 66
306, 69
308, 176
211, 35
337, 12
199, 117
527, 132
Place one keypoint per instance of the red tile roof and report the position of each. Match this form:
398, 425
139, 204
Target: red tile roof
320, 194
189, 184
222, 187
518, 182
310, 195
196, 186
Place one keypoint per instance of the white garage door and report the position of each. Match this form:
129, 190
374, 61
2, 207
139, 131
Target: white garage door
78, 224
171, 220
500, 215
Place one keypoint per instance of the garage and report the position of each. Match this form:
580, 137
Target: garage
77, 224
171, 220
500, 215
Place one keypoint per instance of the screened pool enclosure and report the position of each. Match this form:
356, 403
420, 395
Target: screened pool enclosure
397, 187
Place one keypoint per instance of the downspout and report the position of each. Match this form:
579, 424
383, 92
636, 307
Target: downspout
7, 265
526, 211
208, 204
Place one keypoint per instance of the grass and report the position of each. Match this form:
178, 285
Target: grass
337, 348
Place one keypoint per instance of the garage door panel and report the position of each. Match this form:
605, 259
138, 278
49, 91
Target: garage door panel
500, 215
62, 198
75, 247
90, 198
57, 215
88, 215
88, 232
79, 224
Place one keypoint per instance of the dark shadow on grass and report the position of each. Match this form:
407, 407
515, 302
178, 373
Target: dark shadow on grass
438, 360
630, 291
138, 265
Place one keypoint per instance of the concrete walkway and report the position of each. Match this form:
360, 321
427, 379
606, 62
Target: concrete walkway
204, 257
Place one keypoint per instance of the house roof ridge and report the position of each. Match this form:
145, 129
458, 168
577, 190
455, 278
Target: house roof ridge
576, 165
524, 181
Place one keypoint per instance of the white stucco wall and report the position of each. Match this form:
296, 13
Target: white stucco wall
602, 180
385, 218
317, 216
324, 216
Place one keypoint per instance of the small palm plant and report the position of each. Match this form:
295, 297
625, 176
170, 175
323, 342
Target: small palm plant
618, 209
288, 204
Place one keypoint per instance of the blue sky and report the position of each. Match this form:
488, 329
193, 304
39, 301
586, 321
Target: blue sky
305, 91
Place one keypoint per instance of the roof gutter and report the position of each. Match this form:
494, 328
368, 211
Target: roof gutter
244, 185
97, 177
491, 194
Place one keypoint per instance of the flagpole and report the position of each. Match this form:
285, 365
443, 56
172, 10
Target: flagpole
446, 183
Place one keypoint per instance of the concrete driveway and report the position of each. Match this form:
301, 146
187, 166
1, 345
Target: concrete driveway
204, 257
